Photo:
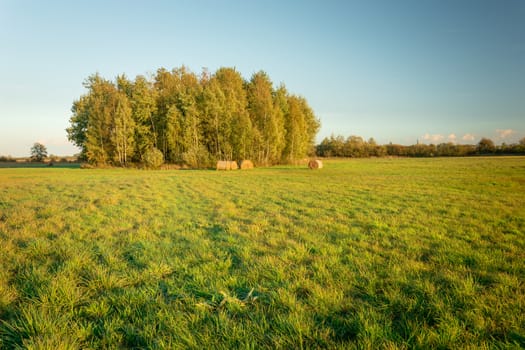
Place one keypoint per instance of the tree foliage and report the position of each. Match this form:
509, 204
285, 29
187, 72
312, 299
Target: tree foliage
191, 119
486, 146
153, 158
38, 152
355, 146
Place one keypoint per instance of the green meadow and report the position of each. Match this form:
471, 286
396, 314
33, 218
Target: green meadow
365, 254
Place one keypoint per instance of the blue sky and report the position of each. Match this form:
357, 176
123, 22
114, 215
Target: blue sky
398, 71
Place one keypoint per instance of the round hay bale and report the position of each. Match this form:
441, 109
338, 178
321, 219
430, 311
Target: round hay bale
246, 164
315, 164
222, 165
227, 165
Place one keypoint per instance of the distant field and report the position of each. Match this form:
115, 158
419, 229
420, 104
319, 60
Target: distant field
369, 253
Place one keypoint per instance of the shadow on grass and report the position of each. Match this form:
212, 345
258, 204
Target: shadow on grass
344, 325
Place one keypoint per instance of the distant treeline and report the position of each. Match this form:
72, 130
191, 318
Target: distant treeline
184, 118
51, 158
357, 147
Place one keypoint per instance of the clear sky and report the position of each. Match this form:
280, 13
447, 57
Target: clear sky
398, 71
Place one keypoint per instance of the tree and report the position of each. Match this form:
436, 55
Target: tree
191, 145
486, 146
143, 107
211, 105
236, 122
178, 119
301, 127
76, 133
153, 158
375, 150
166, 116
38, 152
393, 149
355, 147
123, 129
267, 118
93, 111
448, 149
102, 124
109, 139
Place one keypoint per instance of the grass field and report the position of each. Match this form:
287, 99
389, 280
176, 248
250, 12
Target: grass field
368, 254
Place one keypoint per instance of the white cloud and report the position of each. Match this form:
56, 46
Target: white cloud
433, 138
504, 133
452, 138
468, 137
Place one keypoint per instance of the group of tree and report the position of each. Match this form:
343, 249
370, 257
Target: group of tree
180, 117
352, 146
357, 147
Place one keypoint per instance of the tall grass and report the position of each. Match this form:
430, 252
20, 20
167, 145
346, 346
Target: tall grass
371, 253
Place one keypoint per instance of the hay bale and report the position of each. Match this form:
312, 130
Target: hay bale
246, 164
227, 165
222, 165
315, 164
